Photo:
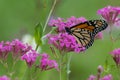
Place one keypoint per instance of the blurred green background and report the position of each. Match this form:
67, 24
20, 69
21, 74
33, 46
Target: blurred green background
18, 17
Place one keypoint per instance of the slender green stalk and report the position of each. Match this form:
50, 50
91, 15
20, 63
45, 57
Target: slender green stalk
61, 65
118, 71
64, 67
60, 73
111, 37
110, 33
24, 74
36, 47
69, 57
49, 15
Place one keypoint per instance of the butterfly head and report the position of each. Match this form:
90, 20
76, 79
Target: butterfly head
68, 30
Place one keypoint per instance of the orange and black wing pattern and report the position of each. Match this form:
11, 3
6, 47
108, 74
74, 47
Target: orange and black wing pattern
84, 33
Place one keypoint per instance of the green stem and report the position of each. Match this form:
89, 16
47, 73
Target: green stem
28, 75
49, 15
37, 47
118, 74
69, 57
60, 73
110, 33
60, 63
64, 66
111, 37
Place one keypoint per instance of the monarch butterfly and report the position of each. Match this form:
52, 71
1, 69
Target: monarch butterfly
84, 33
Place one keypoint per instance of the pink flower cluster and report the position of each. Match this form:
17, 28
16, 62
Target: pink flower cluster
30, 57
65, 42
61, 23
98, 76
116, 56
16, 47
62, 40
4, 78
107, 77
47, 64
25, 52
110, 14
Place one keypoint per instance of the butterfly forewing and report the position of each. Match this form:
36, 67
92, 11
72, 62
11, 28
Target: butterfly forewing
98, 24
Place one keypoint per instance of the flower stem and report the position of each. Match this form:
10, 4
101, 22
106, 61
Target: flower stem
110, 33
37, 47
64, 66
49, 15
118, 74
60, 73
60, 63
69, 57
111, 37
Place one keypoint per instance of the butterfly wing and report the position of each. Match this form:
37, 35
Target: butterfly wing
99, 25
84, 33
84, 38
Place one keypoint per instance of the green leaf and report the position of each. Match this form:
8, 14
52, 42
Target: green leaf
38, 34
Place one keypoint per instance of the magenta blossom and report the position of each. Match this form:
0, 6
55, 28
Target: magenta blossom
60, 23
116, 56
107, 77
4, 78
18, 48
98, 76
92, 77
99, 35
30, 57
5, 49
46, 64
110, 14
65, 42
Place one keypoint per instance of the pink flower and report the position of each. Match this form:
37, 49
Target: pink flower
110, 14
100, 69
63, 41
57, 23
98, 76
30, 57
107, 77
18, 48
73, 21
60, 23
46, 64
92, 77
5, 49
116, 56
4, 78
99, 35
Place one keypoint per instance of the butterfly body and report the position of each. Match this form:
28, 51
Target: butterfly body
84, 33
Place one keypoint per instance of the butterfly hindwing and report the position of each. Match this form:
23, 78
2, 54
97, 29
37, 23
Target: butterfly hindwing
84, 33
84, 38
